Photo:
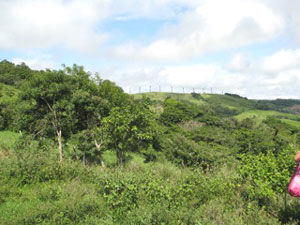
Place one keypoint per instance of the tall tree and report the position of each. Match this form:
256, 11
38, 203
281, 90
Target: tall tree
49, 111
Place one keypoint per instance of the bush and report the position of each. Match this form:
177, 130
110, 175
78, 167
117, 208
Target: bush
267, 173
30, 163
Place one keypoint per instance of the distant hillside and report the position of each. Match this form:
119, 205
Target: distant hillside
287, 110
260, 115
229, 101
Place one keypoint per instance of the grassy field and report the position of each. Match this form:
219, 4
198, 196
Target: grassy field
161, 96
230, 101
261, 115
291, 122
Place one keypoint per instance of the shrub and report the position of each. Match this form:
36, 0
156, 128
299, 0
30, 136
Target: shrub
267, 173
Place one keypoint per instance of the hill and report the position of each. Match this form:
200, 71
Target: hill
287, 110
200, 99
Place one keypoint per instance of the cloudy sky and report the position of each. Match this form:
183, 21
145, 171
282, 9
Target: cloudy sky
247, 47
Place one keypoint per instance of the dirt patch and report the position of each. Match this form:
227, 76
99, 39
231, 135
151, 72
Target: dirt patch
4, 154
294, 108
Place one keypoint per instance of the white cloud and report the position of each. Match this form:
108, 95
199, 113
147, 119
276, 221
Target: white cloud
213, 25
281, 61
239, 63
289, 10
201, 26
273, 76
37, 62
204, 25
198, 77
190, 76
27, 24
288, 79
250, 77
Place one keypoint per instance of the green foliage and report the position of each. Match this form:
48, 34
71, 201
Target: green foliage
8, 140
55, 203
129, 128
267, 173
179, 111
234, 95
231, 102
254, 141
280, 128
258, 139
215, 135
48, 95
12, 74
223, 111
115, 95
31, 163
153, 193
188, 161
185, 152
196, 95
8, 101
182, 151
277, 104
261, 115
68, 104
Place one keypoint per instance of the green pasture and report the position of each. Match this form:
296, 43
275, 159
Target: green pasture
240, 104
260, 115
161, 96
291, 122
230, 101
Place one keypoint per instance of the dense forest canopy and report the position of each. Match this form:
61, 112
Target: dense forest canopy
139, 159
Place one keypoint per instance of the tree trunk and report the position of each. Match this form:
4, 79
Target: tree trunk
59, 145
75, 152
102, 162
83, 159
98, 147
120, 156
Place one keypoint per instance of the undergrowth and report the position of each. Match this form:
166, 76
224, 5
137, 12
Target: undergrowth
46, 191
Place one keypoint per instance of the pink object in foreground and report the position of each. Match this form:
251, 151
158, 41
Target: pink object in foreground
294, 185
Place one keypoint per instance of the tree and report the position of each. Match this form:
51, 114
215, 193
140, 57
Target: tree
179, 111
8, 100
12, 74
68, 104
93, 100
48, 111
90, 108
128, 129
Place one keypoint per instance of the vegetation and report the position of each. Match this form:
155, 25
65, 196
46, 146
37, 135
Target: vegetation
76, 149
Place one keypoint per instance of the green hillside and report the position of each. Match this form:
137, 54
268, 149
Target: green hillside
225, 100
242, 107
78, 151
261, 115
161, 96
231, 102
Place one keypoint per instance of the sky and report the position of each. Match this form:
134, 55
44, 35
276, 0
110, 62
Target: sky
245, 47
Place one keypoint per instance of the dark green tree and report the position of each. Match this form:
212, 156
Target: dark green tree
47, 109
